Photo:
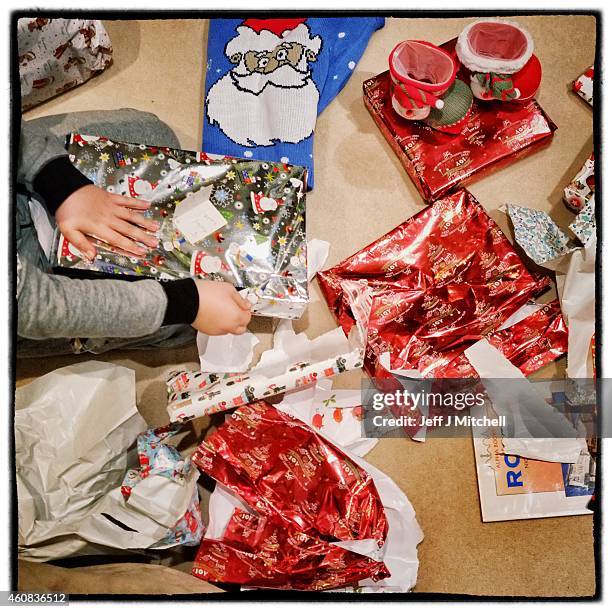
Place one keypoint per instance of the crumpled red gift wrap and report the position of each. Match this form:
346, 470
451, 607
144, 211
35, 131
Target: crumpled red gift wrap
305, 494
439, 282
496, 134
529, 344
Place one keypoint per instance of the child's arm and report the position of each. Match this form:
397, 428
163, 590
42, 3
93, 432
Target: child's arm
52, 306
80, 208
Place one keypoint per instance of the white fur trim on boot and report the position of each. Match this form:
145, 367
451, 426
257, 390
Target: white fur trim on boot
473, 60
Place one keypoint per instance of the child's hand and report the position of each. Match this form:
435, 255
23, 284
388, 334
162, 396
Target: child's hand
91, 211
222, 310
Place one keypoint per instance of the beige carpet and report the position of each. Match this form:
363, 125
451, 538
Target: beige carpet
361, 193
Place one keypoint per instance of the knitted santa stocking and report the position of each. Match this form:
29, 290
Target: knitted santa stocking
268, 79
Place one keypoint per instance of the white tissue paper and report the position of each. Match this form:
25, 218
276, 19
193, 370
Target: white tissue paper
75, 434
540, 431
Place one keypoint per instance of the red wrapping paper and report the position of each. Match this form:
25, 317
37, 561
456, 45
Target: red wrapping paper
496, 134
440, 281
306, 493
529, 344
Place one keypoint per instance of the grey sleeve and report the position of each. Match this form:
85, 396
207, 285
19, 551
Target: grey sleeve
36, 148
43, 139
51, 306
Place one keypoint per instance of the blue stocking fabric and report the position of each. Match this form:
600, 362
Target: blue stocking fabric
268, 79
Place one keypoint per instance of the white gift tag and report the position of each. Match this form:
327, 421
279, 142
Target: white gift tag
196, 217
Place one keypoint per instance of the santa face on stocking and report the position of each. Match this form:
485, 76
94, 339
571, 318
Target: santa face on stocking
269, 95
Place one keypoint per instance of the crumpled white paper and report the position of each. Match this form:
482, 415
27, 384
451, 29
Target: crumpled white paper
540, 432
226, 353
576, 289
399, 552
318, 252
385, 362
75, 430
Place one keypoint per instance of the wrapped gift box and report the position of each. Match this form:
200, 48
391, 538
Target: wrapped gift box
438, 283
496, 134
221, 218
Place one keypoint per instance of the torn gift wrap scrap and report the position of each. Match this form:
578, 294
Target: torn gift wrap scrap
337, 414
529, 342
534, 429
75, 497
294, 361
540, 237
438, 282
582, 187
297, 512
221, 218
583, 85
229, 353
157, 458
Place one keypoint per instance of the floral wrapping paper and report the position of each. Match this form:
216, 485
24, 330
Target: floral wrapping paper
582, 187
258, 210
539, 236
439, 282
583, 85
496, 134
157, 457
303, 495
56, 55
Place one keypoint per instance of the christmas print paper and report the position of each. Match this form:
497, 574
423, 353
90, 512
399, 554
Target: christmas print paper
311, 504
294, 361
245, 219
584, 225
439, 281
157, 458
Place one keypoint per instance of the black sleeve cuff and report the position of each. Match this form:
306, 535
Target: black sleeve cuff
183, 301
56, 181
